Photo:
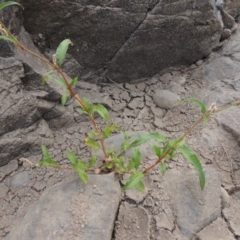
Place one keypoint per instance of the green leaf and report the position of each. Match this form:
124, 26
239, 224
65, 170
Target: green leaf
80, 165
133, 180
43, 163
83, 175
125, 145
72, 157
137, 157
163, 167
45, 153
62, 50
47, 161
142, 139
191, 157
6, 4
61, 81
53, 163
107, 131
197, 102
64, 98
43, 79
102, 111
92, 162
88, 105
74, 81
140, 186
6, 38
157, 150
92, 143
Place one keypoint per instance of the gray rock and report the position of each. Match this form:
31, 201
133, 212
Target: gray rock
229, 120
232, 215
194, 209
130, 33
165, 99
225, 198
72, 210
218, 230
132, 223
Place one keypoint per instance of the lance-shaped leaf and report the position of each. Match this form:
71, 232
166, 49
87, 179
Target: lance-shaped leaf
133, 180
140, 186
163, 167
6, 38
107, 131
72, 157
142, 139
157, 150
61, 81
64, 98
191, 157
197, 102
92, 162
62, 50
83, 175
92, 143
6, 4
74, 81
47, 160
102, 111
136, 159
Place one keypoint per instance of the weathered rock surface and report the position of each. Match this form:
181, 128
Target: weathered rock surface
125, 40
232, 216
218, 230
72, 210
194, 209
132, 223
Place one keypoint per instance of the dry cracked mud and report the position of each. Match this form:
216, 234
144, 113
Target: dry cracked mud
152, 215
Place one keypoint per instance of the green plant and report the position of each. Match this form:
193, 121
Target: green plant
113, 162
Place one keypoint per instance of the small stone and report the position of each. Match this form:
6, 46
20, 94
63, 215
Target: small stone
162, 221
178, 78
225, 198
199, 62
226, 33
165, 99
148, 202
193, 66
176, 88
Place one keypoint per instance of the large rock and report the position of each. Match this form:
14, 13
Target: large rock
194, 209
127, 40
72, 210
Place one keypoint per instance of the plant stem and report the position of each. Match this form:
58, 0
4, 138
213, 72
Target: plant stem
69, 87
